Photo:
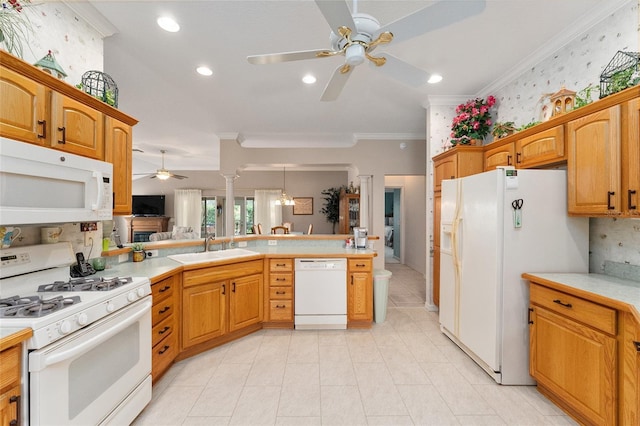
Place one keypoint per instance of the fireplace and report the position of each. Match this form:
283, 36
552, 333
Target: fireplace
140, 227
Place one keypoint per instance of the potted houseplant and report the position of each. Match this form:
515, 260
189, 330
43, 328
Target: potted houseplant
138, 252
472, 122
331, 208
503, 129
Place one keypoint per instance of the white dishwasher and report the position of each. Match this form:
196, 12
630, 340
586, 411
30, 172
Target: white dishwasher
320, 294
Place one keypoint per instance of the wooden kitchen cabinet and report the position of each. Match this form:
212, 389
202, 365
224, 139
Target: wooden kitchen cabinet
349, 212
204, 312
631, 157
359, 292
76, 128
573, 354
593, 163
502, 155
11, 377
118, 151
164, 320
630, 372
544, 148
457, 162
280, 282
245, 302
24, 112
220, 302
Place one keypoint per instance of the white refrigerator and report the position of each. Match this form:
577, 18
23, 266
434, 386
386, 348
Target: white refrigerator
495, 226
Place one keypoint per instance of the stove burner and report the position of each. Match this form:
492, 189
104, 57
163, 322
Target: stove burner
17, 300
86, 284
38, 307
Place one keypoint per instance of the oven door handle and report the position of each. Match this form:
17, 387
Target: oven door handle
40, 362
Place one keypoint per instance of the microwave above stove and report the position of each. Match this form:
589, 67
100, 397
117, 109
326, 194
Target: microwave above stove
43, 185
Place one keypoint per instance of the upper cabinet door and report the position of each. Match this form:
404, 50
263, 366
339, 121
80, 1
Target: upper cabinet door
77, 128
543, 148
23, 115
118, 151
631, 159
593, 164
500, 156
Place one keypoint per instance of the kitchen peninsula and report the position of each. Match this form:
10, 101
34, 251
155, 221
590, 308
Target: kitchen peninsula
203, 304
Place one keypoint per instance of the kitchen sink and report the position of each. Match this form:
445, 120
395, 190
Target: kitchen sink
210, 256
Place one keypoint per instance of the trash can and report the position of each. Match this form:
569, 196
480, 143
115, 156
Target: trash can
381, 279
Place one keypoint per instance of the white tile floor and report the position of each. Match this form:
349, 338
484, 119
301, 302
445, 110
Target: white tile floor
400, 372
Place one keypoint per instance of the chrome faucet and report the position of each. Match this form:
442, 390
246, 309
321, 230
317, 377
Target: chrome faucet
208, 240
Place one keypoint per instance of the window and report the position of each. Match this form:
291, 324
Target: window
209, 214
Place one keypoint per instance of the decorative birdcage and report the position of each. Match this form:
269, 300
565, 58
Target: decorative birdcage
101, 86
623, 71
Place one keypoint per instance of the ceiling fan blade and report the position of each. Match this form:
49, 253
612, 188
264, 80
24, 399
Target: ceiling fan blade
179, 176
337, 14
273, 58
431, 18
401, 71
337, 82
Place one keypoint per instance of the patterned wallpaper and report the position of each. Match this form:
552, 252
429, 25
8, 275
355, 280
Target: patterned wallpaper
76, 45
576, 65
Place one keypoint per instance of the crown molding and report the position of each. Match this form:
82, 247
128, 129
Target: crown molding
91, 16
596, 15
445, 100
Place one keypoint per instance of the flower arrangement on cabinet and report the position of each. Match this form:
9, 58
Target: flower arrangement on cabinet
473, 120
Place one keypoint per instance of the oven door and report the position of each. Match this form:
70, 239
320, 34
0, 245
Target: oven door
95, 373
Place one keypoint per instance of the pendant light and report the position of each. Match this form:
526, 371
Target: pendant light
284, 200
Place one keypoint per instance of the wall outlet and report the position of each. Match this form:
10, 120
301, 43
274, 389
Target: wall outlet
123, 258
152, 253
242, 243
87, 239
273, 242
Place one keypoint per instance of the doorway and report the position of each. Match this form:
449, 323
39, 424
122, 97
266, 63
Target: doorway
392, 222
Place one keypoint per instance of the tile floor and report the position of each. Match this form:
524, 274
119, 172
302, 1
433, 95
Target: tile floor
402, 371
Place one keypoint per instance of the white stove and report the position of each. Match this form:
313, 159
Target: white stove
91, 338
84, 300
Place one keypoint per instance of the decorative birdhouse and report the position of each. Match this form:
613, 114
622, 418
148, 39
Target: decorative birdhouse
562, 101
49, 65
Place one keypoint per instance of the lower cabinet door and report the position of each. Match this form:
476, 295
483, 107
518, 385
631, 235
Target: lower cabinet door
575, 362
203, 313
245, 301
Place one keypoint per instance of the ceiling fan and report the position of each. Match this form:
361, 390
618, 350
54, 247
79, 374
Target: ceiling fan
164, 174
356, 35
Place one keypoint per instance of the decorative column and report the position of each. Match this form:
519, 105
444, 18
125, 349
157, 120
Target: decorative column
365, 181
228, 212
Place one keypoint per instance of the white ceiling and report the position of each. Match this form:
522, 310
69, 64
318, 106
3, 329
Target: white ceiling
186, 114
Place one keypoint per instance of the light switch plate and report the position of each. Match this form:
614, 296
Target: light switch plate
273, 242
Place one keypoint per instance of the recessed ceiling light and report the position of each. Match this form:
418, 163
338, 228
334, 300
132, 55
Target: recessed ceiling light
434, 78
309, 79
168, 24
204, 71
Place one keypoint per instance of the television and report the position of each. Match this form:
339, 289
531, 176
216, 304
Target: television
147, 205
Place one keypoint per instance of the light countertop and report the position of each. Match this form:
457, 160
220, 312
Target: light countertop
608, 287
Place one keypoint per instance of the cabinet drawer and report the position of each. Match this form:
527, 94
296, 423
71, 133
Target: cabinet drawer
281, 265
162, 330
281, 310
360, 264
9, 367
280, 293
162, 310
589, 313
163, 289
163, 355
281, 279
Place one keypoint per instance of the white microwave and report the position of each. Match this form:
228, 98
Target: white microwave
43, 185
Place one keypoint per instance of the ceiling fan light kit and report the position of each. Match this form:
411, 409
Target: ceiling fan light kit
355, 35
164, 174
